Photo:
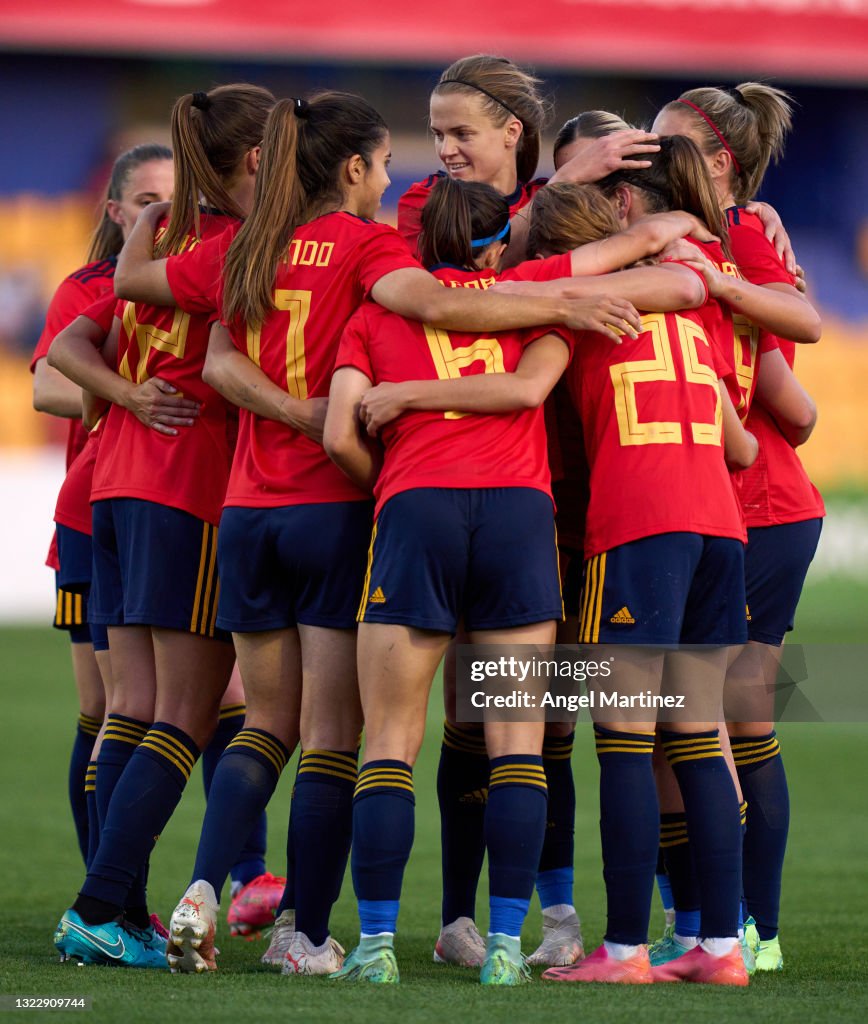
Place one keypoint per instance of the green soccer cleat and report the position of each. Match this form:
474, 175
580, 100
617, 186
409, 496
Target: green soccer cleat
109, 943
768, 955
372, 960
504, 964
666, 949
748, 943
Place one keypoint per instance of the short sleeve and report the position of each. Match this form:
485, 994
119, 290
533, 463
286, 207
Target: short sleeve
550, 269
195, 276
383, 252
67, 302
102, 311
353, 348
756, 257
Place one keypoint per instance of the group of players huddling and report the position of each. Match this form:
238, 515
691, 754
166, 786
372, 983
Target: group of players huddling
377, 421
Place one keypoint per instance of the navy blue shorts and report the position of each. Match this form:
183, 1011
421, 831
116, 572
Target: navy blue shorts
153, 566
440, 554
298, 564
75, 554
70, 613
776, 563
669, 589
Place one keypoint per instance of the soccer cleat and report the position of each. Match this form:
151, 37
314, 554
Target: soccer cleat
666, 949
191, 931
460, 944
372, 960
698, 966
504, 964
281, 936
149, 937
254, 906
110, 943
303, 957
159, 927
561, 943
747, 945
768, 955
599, 966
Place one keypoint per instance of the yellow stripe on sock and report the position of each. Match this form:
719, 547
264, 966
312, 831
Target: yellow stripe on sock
231, 710
164, 739
182, 768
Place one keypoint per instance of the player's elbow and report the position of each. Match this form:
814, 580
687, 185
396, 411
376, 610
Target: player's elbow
212, 370
741, 452
694, 292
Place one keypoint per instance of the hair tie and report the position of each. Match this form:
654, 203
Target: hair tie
301, 109
478, 88
201, 100
479, 243
715, 129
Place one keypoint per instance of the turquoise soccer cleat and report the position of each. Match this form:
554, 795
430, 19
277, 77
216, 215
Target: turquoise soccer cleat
108, 943
372, 960
504, 964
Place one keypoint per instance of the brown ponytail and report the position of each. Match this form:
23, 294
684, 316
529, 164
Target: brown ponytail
108, 239
751, 121
457, 212
678, 179
304, 147
505, 90
211, 133
590, 124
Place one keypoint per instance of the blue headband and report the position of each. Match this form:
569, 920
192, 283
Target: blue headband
478, 243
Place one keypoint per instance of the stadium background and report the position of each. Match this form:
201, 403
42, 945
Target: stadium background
81, 81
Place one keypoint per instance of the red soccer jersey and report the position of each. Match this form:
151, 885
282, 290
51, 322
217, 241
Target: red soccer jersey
195, 276
73, 501
651, 413
330, 267
411, 202
189, 470
776, 489
74, 294
436, 449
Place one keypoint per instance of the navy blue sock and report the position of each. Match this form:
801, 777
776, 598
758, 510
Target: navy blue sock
629, 830
79, 760
711, 807
678, 859
92, 814
287, 901
322, 810
121, 737
554, 881
462, 791
240, 790
383, 823
251, 860
141, 805
515, 824
764, 786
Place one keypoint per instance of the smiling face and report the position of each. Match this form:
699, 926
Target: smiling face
151, 182
469, 143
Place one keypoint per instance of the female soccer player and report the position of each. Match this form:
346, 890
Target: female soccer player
303, 261
740, 131
157, 497
525, 388
140, 176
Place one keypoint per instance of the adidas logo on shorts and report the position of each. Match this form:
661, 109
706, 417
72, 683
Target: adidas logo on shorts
378, 597
622, 617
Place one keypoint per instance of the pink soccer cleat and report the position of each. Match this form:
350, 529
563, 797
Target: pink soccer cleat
698, 966
599, 966
255, 906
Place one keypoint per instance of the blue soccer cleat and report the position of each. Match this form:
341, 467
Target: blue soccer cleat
108, 943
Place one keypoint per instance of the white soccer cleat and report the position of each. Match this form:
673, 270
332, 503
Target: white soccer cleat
460, 944
303, 957
192, 928
561, 943
281, 936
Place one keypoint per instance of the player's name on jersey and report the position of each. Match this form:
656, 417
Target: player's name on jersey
574, 701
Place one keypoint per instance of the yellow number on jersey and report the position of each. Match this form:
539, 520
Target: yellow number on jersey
297, 304
627, 375
746, 339
148, 338
449, 361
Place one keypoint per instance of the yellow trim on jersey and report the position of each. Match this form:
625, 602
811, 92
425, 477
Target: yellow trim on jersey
360, 614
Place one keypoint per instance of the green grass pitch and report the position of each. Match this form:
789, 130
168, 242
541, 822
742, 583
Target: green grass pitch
825, 905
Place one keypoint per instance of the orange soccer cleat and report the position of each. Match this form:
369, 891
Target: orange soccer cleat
599, 966
701, 967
